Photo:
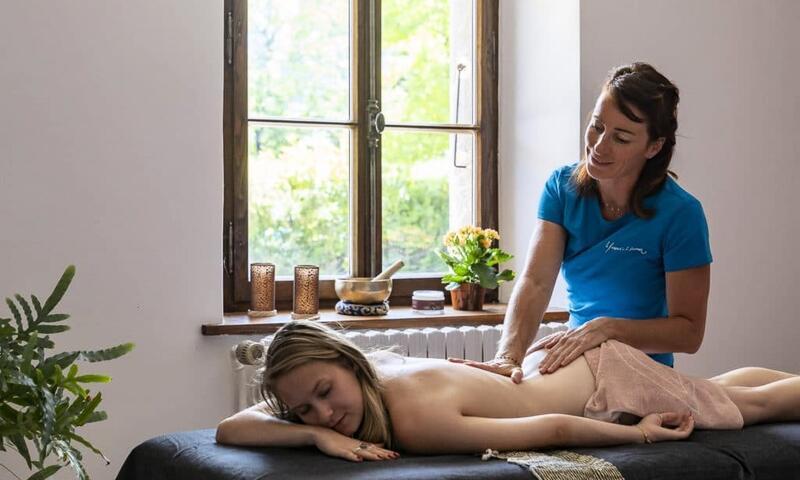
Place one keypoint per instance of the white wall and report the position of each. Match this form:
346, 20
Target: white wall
735, 63
539, 122
111, 159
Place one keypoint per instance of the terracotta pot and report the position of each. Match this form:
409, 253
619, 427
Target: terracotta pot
468, 296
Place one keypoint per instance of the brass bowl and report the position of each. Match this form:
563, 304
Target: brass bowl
362, 290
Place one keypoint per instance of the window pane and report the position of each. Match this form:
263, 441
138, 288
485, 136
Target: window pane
298, 58
427, 61
298, 207
424, 195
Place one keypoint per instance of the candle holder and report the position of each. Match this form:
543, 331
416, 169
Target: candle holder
306, 292
262, 290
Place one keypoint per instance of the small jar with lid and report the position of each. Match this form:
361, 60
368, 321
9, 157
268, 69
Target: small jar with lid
427, 302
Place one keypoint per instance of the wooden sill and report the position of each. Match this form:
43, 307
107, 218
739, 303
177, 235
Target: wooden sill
398, 317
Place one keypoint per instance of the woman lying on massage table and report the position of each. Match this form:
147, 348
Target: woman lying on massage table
321, 390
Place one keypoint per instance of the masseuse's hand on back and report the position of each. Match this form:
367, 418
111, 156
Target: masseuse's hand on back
501, 366
564, 347
529, 300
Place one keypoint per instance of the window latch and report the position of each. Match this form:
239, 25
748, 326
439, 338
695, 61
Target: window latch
229, 38
377, 123
227, 260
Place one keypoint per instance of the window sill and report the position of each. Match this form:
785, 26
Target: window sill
398, 317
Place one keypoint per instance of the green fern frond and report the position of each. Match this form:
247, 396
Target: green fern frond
59, 290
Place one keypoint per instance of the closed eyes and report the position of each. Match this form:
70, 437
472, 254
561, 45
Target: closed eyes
305, 409
599, 129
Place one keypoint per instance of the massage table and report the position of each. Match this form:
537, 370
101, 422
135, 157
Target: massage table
762, 452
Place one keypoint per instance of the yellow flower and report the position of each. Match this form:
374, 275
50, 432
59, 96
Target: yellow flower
449, 239
467, 247
492, 234
468, 233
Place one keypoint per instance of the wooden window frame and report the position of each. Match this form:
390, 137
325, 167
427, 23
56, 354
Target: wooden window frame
366, 225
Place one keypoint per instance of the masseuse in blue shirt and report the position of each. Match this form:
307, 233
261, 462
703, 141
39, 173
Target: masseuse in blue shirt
631, 244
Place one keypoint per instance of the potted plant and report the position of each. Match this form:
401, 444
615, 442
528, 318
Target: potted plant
43, 398
472, 263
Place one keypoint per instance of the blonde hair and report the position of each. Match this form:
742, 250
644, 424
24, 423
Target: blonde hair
300, 342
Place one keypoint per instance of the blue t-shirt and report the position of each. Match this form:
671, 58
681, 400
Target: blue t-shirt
617, 268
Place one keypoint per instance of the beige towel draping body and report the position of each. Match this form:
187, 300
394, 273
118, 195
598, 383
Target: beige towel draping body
627, 381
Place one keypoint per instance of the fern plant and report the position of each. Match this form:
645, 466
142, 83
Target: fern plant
44, 399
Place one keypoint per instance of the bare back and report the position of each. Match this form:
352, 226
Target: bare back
442, 387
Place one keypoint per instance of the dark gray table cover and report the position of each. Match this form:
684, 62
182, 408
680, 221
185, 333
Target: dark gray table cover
762, 452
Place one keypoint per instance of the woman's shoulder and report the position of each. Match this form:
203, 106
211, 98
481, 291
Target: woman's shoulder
419, 379
674, 197
560, 185
563, 173
411, 370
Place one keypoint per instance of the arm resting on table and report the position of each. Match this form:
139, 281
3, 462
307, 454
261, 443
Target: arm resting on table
457, 433
256, 427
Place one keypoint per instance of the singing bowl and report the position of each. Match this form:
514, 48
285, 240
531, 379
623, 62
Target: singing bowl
362, 290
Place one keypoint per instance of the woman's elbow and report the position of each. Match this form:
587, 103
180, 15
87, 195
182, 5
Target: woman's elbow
560, 432
224, 431
693, 342
692, 347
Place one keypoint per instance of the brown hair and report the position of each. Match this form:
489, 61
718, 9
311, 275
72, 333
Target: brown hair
300, 342
642, 87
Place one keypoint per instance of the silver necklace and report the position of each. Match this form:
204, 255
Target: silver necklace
614, 209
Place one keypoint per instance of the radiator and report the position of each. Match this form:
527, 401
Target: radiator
473, 343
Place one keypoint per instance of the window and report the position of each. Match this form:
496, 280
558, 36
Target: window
356, 132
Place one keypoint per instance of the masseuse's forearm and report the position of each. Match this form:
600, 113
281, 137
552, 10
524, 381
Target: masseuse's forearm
531, 294
656, 335
526, 307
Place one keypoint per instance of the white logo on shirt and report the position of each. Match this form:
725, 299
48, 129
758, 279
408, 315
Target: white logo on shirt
611, 247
